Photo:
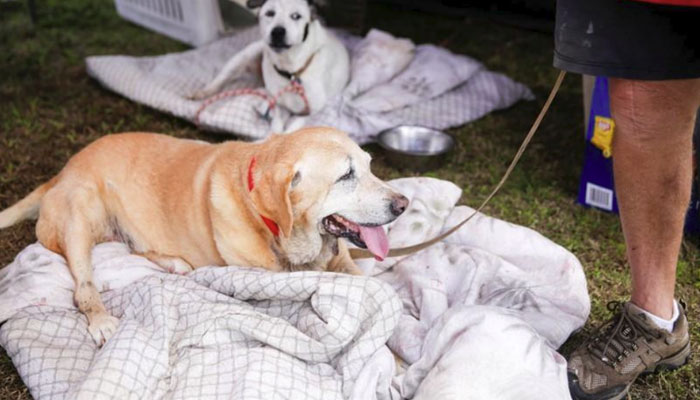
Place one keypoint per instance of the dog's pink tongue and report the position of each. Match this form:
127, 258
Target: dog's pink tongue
376, 241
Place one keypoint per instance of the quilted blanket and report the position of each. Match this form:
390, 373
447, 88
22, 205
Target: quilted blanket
478, 316
392, 82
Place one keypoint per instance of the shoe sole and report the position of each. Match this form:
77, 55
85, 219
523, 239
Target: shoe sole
670, 363
667, 364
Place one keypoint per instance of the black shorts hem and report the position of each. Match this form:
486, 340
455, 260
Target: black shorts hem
617, 71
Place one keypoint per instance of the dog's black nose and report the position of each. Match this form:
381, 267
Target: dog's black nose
278, 33
398, 205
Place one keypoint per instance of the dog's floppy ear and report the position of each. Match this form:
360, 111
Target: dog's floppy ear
270, 194
314, 6
254, 3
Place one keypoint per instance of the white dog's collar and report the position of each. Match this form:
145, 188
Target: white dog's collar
294, 75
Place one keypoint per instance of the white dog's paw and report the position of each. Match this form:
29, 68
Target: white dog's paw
101, 327
276, 120
295, 124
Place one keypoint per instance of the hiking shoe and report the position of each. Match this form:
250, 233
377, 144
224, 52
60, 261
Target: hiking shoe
629, 345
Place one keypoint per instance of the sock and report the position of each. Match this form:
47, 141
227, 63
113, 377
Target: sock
666, 324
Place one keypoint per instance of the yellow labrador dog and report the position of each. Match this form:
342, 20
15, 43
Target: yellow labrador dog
280, 204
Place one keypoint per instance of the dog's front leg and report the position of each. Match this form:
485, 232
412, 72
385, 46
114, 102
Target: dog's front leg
232, 67
276, 121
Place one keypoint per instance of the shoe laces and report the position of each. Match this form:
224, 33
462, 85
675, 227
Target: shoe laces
617, 338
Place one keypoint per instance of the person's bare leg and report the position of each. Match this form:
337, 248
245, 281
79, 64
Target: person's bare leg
652, 163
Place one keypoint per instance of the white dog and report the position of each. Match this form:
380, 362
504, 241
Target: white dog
294, 46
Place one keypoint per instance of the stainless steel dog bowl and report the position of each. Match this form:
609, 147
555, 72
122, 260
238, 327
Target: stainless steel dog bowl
416, 147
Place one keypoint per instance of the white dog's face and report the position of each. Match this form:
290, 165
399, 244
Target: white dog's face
284, 23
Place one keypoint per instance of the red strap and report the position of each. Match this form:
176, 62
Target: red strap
271, 225
251, 183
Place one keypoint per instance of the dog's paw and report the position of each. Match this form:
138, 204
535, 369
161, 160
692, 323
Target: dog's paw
352, 269
101, 327
175, 265
171, 264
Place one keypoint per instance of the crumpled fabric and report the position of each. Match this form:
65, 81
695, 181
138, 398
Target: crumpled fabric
477, 316
393, 82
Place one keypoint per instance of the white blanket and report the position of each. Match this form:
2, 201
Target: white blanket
478, 316
392, 82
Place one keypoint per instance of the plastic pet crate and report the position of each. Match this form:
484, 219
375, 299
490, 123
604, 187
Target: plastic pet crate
195, 22
198, 22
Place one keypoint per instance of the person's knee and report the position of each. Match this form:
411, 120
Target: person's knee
651, 111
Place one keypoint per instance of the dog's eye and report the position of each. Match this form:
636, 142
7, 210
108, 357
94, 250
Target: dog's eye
295, 16
348, 175
270, 13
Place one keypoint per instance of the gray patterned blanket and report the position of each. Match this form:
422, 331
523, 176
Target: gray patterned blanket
478, 316
392, 82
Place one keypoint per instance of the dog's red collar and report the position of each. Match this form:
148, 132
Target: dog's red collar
271, 225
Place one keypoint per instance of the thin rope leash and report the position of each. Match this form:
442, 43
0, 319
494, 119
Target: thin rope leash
402, 251
294, 86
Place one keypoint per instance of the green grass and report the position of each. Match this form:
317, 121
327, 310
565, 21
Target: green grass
49, 109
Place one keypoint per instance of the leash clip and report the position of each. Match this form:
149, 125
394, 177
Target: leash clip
266, 115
